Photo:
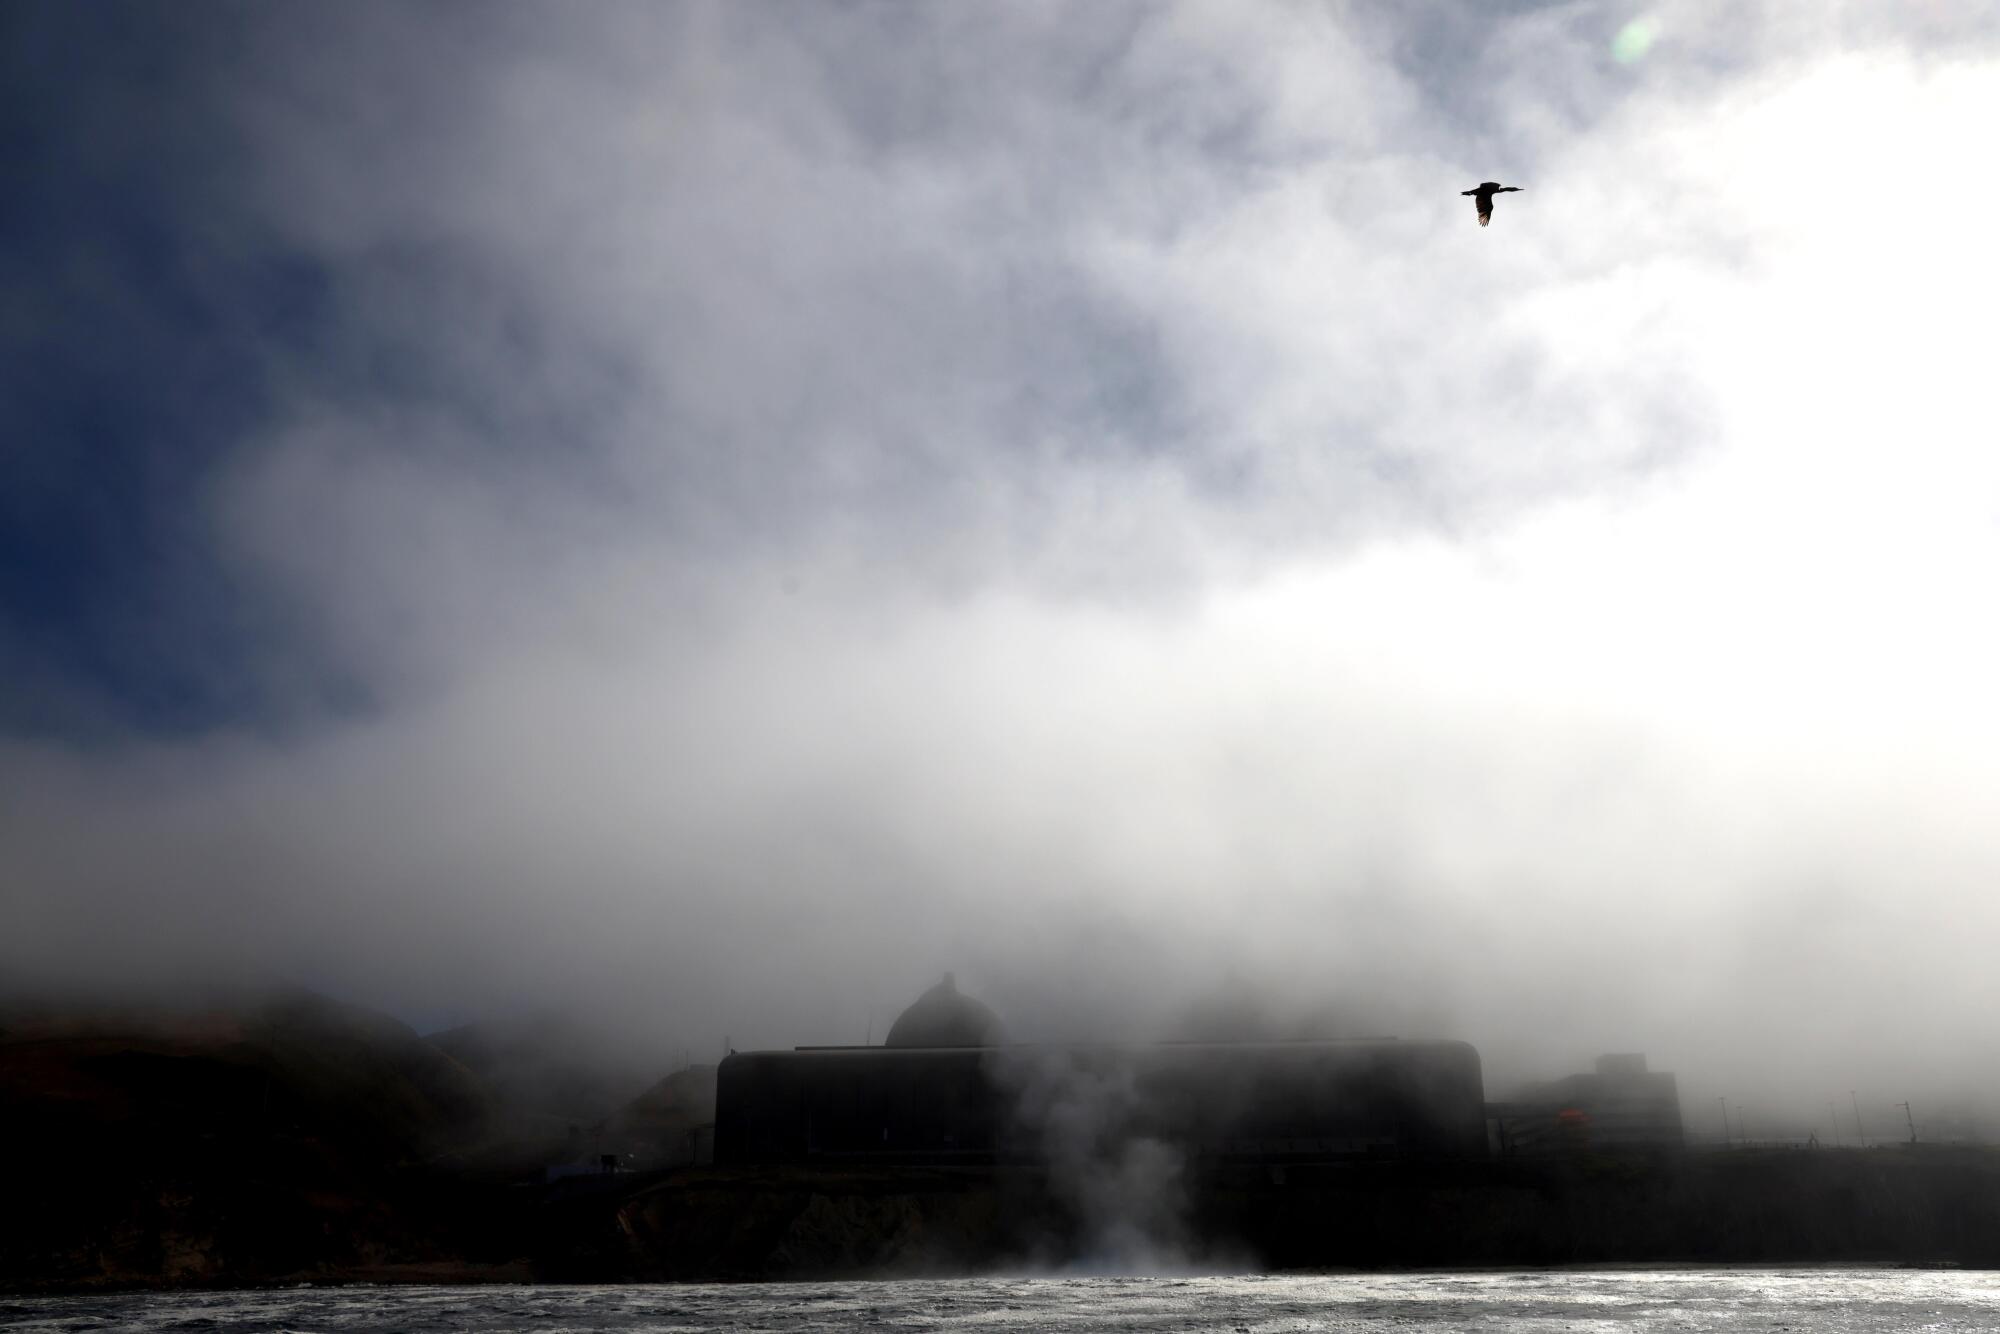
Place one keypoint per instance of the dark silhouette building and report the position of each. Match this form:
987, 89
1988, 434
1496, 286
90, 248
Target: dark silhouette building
943, 1017
946, 1088
1621, 1107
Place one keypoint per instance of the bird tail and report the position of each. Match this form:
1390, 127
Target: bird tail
1485, 218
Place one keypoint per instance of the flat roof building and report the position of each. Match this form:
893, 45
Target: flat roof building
947, 1088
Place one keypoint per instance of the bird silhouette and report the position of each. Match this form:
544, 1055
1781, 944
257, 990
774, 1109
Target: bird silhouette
1483, 196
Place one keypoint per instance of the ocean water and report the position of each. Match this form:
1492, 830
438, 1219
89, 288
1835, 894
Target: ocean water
1621, 1300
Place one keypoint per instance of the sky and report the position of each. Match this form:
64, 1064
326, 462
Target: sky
711, 515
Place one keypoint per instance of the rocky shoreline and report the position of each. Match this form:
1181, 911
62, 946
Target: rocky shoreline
1935, 1207
1878, 1206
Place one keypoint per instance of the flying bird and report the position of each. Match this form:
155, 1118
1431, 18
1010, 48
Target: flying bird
1483, 196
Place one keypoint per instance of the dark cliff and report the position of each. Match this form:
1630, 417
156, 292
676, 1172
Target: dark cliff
294, 1139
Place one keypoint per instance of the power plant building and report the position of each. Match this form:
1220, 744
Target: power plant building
947, 1088
1620, 1107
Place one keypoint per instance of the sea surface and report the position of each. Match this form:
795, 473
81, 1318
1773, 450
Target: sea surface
1620, 1300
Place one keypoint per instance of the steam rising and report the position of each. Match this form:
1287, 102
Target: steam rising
1085, 1122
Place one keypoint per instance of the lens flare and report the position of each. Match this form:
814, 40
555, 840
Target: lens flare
1635, 39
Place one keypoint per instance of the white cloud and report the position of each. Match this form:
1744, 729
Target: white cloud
1090, 507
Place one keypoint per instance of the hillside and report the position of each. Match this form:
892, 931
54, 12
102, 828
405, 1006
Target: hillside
250, 1138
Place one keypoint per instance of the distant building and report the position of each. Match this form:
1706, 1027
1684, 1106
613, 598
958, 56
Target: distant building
1621, 1107
946, 1088
596, 1165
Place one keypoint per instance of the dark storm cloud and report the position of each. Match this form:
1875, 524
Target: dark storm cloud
717, 513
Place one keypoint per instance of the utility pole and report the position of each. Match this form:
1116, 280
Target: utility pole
1860, 1135
1911, 1119
1833, 1121
1725, 1121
